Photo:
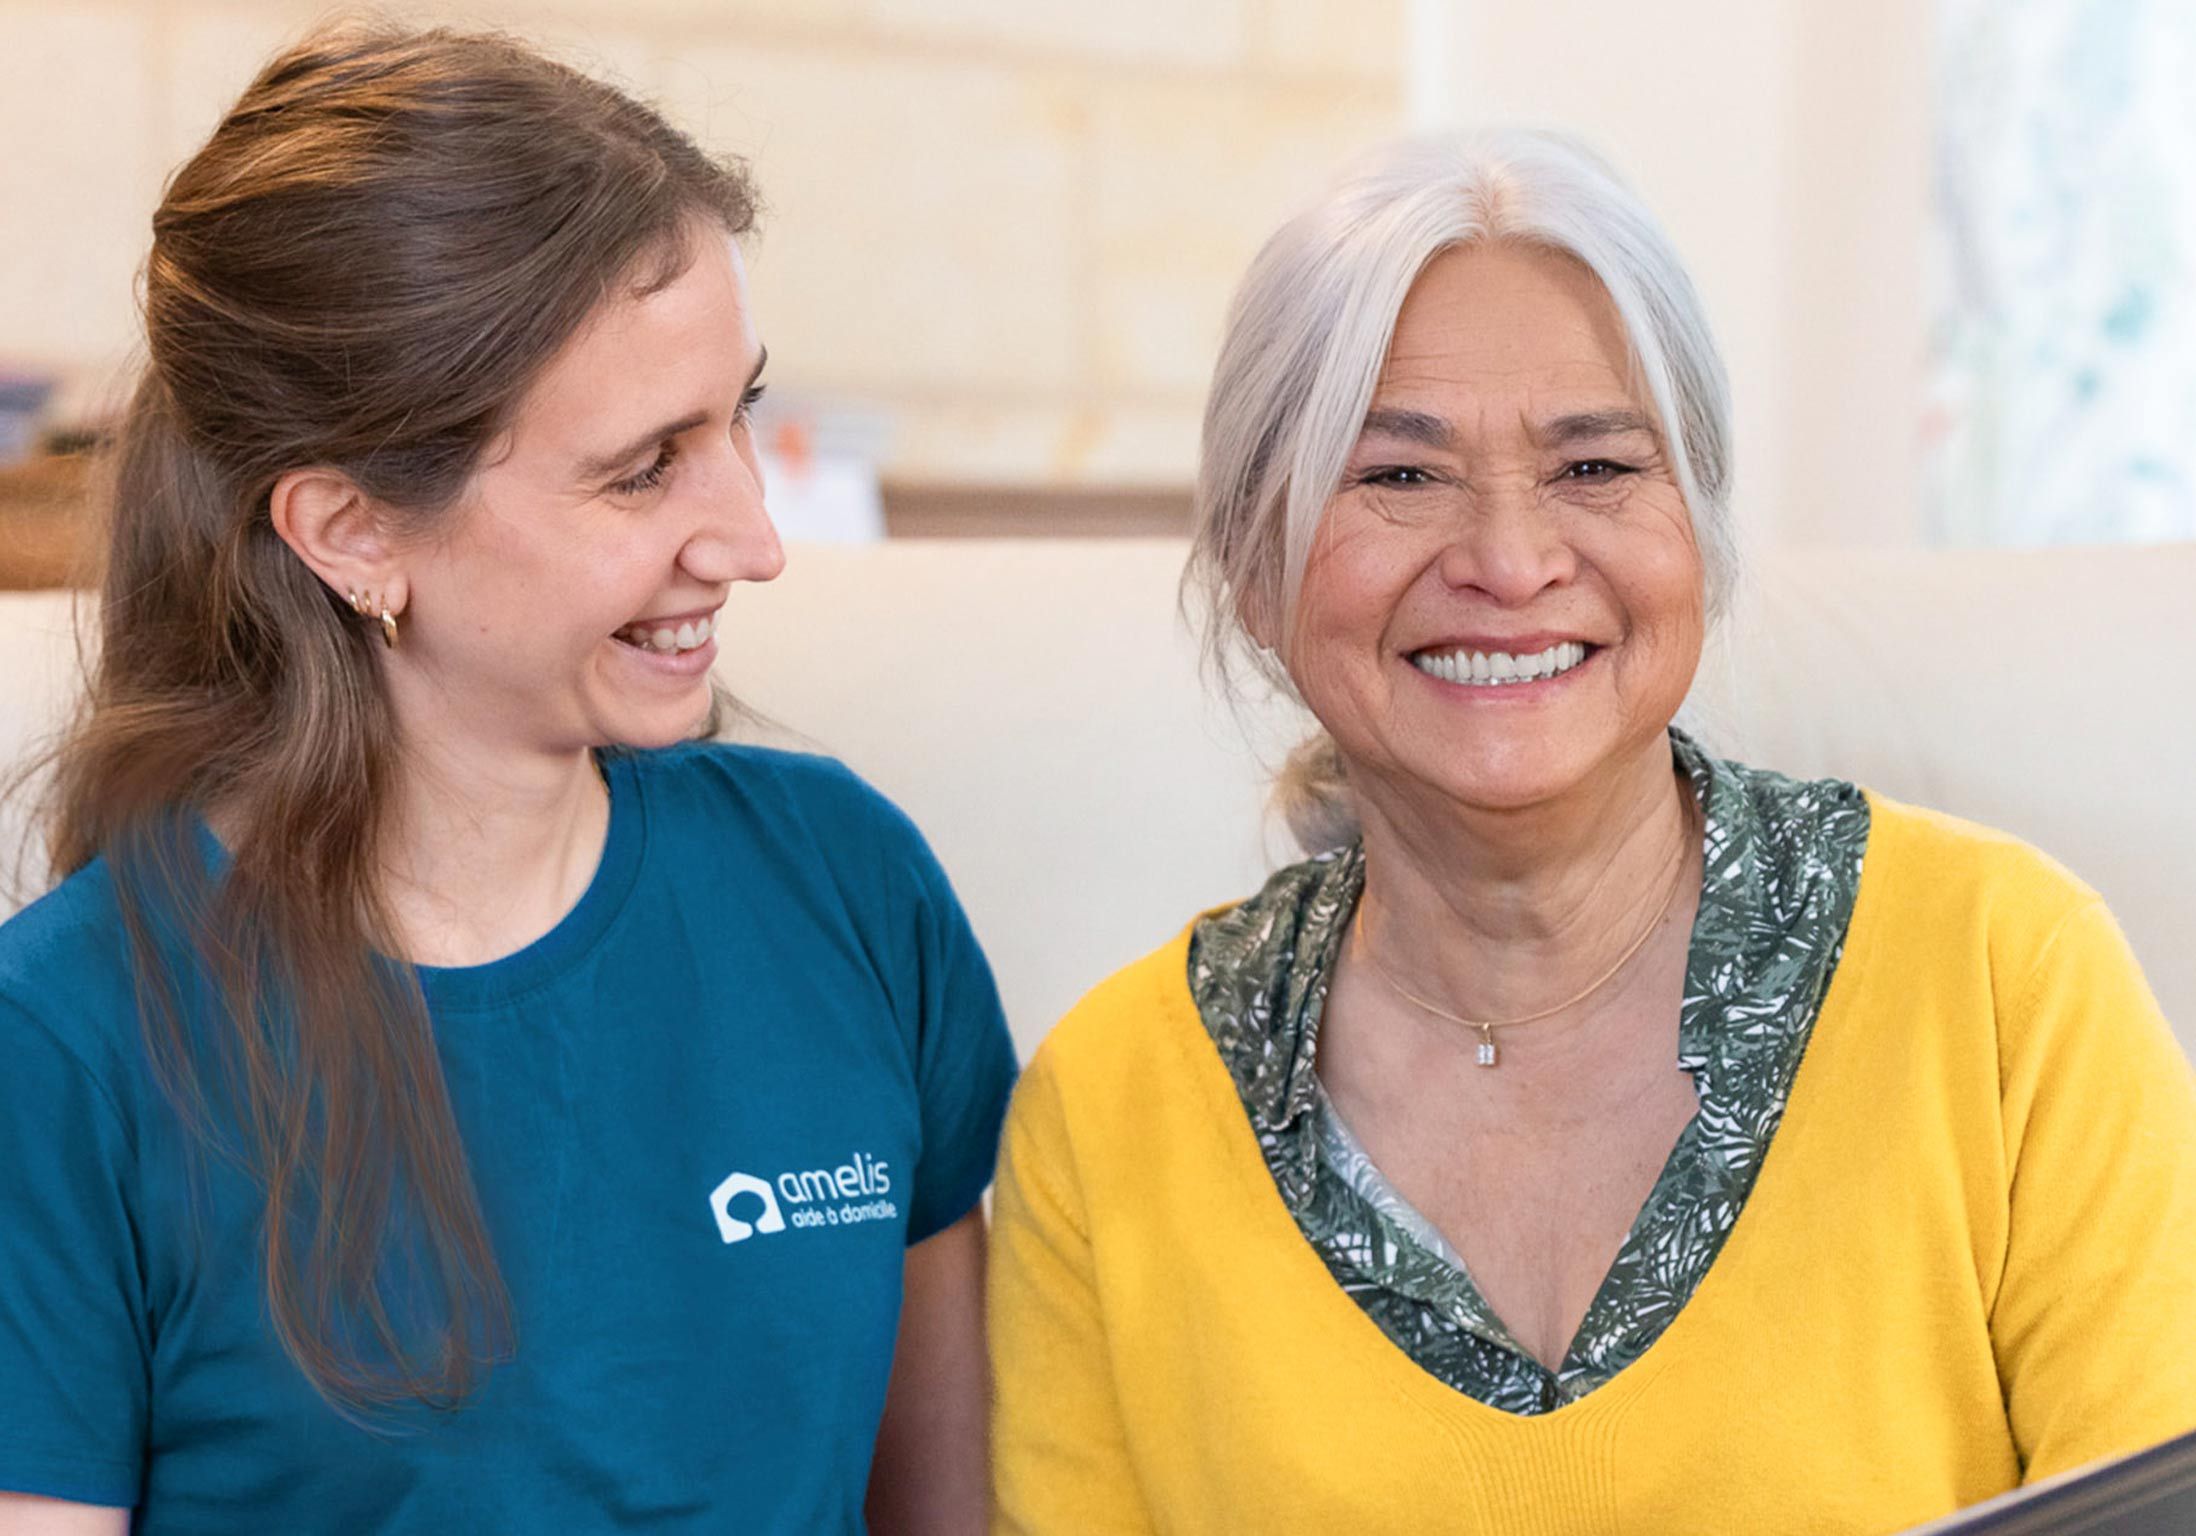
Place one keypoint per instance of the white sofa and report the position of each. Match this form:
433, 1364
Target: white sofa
1036, 705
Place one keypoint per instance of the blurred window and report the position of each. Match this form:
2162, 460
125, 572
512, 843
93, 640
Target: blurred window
2063, 387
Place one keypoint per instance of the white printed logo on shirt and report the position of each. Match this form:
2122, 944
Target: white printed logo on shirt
817, 1197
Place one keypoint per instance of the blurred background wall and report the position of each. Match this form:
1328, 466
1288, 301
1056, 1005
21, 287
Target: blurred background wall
1002, 233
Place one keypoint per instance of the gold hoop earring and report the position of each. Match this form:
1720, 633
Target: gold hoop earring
368, 606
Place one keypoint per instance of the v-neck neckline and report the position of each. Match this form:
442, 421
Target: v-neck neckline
1279, 1226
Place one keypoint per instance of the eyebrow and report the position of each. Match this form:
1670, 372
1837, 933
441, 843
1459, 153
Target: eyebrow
1411, 426
1591, 424
1434, 432
597, 465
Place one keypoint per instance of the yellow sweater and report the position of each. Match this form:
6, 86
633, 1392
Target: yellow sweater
1970, 1259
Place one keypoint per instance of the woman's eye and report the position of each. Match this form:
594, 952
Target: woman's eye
1402, 475
748, 402
649, 478
1595, 470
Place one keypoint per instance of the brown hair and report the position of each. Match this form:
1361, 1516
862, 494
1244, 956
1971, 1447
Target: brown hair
367, 265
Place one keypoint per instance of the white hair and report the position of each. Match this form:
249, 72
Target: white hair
1309, 330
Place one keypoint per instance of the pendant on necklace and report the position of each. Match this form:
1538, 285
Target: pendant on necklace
1486, 1046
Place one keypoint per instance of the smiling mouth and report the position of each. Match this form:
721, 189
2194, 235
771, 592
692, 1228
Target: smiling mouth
669, 639
1496, 669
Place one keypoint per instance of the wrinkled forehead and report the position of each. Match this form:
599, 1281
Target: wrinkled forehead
1505, 329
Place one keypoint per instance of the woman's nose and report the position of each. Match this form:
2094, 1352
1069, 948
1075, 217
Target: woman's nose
737, 540
1508, 548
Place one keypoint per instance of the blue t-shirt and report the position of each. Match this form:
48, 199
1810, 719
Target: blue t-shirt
706, 1114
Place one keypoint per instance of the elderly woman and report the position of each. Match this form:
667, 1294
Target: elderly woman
1594, 1135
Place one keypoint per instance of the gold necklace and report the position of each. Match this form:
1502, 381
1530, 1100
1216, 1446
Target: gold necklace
1487, 1056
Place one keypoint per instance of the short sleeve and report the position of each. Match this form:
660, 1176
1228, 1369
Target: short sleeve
2096, 1310
74, 1335
964, 1056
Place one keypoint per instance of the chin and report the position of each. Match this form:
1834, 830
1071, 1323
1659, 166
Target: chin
1503, 794
1510, 780
658, 728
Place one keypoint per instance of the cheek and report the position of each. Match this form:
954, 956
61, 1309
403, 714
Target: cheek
530, 611
1353, 587
1656, 576
1670, 589
1356, 576
1648, 556
1337, 626
494, 569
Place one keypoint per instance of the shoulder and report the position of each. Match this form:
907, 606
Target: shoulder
804, 833
803, 804
1127, 1107
72, 934
1957, 910
1938, 867
1125, 1033
727, 772
66, 975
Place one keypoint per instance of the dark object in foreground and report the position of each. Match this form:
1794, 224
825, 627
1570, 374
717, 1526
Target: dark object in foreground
2151, 1493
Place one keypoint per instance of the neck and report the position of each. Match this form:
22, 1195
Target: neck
1502, 914
485, 852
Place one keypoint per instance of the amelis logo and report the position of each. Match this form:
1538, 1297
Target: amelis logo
815, 1197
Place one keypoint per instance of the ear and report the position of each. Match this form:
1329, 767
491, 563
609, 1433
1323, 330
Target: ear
335, 528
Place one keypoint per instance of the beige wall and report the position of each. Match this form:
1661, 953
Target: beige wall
1785, 143
1003, 231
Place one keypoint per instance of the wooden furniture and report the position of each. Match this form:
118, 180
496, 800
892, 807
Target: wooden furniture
46, 537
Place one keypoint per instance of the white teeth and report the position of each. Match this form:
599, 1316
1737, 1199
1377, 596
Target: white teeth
686, 637
1495, 668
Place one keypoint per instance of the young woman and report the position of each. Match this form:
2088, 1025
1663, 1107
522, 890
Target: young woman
442, 1095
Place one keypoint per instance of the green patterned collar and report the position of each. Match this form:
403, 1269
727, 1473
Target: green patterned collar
1299, 921
1780, 871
